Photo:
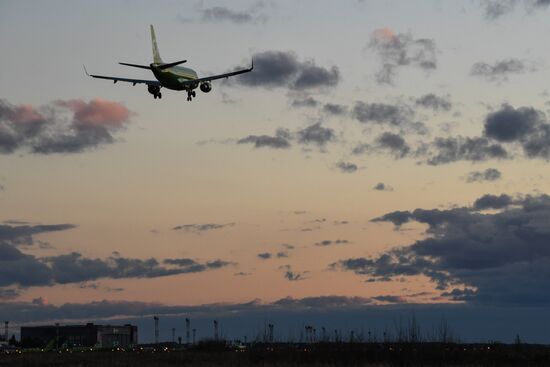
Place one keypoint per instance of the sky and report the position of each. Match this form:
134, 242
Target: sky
383, 158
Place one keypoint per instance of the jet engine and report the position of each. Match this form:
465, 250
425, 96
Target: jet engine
206, 87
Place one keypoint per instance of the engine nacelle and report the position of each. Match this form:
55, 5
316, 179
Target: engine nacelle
206, 87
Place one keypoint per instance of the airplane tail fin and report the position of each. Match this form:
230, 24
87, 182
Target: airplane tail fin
156, 54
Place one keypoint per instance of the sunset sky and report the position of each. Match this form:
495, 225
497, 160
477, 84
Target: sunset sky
382, 155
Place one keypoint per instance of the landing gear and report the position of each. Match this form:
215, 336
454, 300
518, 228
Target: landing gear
190, 95
155, 91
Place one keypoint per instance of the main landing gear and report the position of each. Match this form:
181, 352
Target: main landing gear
190, 95
155, 91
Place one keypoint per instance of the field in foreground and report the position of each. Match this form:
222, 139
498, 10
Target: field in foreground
320, 354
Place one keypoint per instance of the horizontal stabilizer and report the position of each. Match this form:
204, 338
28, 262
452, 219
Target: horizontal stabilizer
166, 66
136, 66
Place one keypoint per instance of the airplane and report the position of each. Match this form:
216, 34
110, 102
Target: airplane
170, 75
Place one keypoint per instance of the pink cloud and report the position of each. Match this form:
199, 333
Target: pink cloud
25, 113
97, 112
384, 34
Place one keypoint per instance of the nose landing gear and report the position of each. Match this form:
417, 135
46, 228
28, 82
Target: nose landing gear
191, 94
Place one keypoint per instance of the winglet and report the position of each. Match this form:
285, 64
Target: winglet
86, 71
252, 66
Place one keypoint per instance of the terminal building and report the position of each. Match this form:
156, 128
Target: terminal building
89, 335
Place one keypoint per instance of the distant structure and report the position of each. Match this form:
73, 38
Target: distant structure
173, 335
187, 330
194, 334
270, 335
6, 331
89, 335
216, 336
156, 318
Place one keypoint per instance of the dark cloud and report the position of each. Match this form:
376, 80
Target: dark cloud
435, 102
316, 134
222, 14
493, 202
501, 257
201, 228
282, 254
335, 109
490, 174
19, 269
500, 70
346, 167
70, 126
305, 102
453, 149
497, 8
264, 255
326, 243
292, 275
381, 113
382, 187
399, 50
524, 125
281, 140
274, 69
340, 222
242, 274
394, 143
23, 234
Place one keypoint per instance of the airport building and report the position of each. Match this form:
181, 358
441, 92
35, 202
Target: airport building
89, 335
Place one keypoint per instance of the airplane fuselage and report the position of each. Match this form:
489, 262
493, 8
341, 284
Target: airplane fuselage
175, 78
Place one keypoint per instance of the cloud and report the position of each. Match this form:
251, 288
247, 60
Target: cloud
381, 113
313, 134
264, 255
399, 50
453, 149
435, 102
201, 228
490, 175
335, 109
394, 143
382, 187
326, 243
346, 167
496, 8
500, 70
316, 134
281, 140
291, 275
282, 254
305, 102
524, 125
493, 202
23, 270
16, 235
219, 14
278, 69
498, 257
69, 126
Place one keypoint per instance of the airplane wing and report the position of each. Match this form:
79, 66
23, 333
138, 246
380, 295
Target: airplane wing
127, 80
220, 76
